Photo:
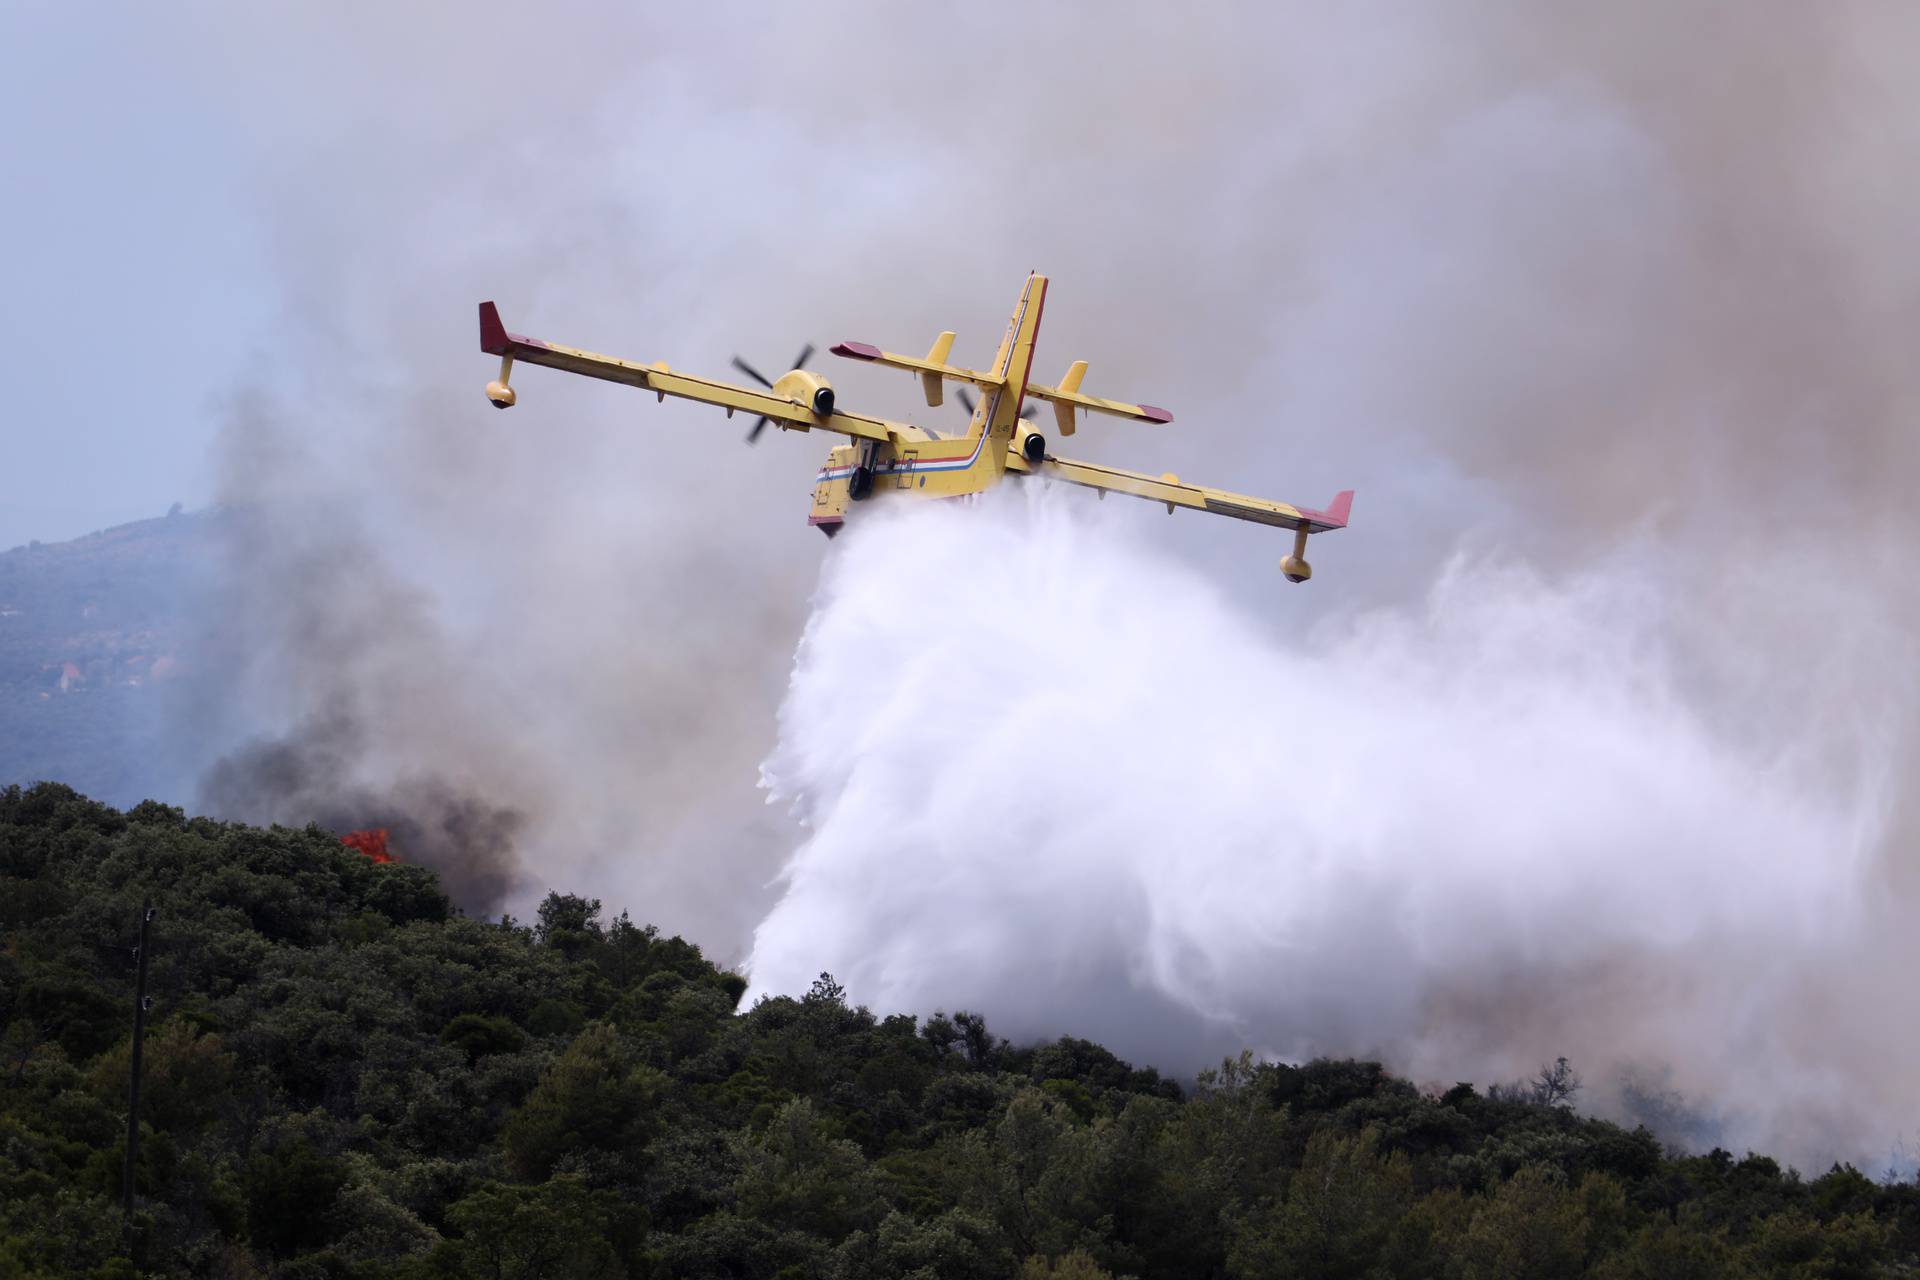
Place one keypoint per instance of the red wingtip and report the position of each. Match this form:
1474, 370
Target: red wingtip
493, 334
855, 350
1153, 414
1339, 509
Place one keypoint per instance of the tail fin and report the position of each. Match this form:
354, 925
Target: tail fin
1004, 386
1011, 365
1015, 358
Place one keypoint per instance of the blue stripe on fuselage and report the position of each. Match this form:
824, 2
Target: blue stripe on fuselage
917, 467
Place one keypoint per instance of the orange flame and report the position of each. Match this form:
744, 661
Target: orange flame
371, 842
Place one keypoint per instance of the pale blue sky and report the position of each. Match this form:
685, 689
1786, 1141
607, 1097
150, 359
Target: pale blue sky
137, 288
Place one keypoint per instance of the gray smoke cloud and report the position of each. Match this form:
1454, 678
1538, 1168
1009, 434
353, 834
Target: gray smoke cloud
309, 775
366, 691
1618, 302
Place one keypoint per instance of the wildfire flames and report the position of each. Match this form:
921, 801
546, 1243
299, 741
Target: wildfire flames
371, 842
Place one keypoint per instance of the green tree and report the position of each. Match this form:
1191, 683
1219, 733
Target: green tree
952, 1245
1532, 1228
291, 1192
1070, 1266
570, 924
477, 1035
559, 1229
186, 1076
796, 1176
596, 1098
1336, 1216
1797, 1246
1668, 1251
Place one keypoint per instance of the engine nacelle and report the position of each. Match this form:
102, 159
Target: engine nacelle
805, 387
1033, 445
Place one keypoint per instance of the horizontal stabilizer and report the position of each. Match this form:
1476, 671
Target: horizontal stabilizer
937, 368
1066, 397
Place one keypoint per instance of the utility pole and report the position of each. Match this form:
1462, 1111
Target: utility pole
139, 1036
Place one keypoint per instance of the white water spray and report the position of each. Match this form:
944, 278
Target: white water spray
1049, 774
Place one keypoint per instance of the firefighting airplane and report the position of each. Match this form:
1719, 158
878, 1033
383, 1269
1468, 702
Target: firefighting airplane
883, 458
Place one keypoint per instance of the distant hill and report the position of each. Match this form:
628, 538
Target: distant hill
92, 633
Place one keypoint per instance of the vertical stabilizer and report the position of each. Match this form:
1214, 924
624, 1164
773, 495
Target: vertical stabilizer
1011, 364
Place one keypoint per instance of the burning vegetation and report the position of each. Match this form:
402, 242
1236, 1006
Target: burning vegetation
315, 773
371, 842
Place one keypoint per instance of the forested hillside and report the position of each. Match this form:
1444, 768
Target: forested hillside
344, 1078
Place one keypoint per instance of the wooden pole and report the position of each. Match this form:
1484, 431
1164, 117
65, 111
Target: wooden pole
139, 1037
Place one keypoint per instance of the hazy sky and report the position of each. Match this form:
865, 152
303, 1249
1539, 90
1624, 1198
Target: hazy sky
138, 286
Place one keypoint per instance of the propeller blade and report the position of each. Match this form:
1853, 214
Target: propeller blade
965, 398
751, 372
759, 425
806, 354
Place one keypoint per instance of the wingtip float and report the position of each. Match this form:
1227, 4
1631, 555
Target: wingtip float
883, 458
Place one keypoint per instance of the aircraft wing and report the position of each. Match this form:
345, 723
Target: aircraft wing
1176, 493
664, 382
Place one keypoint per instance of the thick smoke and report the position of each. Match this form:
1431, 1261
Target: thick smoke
311, 775
318, 636
1608, 313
